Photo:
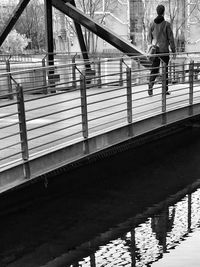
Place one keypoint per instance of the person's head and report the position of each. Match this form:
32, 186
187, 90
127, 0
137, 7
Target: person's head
160, 10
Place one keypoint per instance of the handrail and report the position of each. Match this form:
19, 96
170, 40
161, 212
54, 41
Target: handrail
61, 110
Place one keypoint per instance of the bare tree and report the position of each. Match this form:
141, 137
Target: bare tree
31, 23
97, 10
5, 12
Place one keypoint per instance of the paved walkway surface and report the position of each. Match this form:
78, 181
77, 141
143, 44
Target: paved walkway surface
55, 119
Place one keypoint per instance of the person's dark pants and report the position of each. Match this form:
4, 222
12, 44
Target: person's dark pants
155, 70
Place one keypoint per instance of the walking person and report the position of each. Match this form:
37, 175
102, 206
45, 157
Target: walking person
161, 35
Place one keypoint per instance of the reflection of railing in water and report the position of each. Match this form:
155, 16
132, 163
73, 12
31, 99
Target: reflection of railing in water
135, 242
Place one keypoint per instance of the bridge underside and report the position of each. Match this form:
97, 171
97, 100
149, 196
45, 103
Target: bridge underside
68, 7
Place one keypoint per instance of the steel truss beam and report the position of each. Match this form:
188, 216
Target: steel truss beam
68, 7
79, 17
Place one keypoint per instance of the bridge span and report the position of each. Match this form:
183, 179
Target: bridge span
54, 117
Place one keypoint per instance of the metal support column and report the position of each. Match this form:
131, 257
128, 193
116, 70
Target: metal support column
49, 31
49, 41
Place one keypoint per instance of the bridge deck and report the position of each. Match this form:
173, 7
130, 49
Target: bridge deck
42, 132
143, 107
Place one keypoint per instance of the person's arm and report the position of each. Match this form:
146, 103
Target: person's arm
149, 35
171, 38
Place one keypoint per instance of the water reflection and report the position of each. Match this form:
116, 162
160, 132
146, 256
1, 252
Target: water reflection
143, 239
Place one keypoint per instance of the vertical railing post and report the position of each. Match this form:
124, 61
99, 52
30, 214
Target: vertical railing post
99, 73
93, 260
121, 72
10, 91
183, 73
45, 91
189, 211
74, 72
84, 113
133, 248
23, 131
170, 72
174, 72
164, 105
129, 99
191, 86
138, 73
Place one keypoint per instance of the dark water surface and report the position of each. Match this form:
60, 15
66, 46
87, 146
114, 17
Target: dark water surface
140, 207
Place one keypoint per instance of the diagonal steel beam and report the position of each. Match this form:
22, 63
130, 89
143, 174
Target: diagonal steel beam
80, 35
78, 16
13, 19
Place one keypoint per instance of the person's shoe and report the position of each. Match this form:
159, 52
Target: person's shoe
167, 93
150, 90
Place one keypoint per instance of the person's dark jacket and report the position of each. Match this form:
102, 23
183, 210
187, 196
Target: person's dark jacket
166, 38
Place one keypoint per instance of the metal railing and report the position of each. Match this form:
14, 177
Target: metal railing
45, 108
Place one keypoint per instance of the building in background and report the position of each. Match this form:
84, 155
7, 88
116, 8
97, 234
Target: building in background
61, 28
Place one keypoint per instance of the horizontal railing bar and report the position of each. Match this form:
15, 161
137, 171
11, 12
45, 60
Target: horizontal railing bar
179, 101
104, 93
8, 136
108, 115
55, 140
10, 146
145, 116
93, 62
8, 115
51, 95
53, 113
144, 105
149, 111
55, 131
113, 84
115, 89
106, 123
52, 123
10, 156
9, 125
8, 104
104, 108
55, 104
106, 100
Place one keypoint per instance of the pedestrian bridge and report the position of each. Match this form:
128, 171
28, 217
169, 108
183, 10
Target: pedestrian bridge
54, 116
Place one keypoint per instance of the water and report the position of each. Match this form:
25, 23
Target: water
169, 237
137, 208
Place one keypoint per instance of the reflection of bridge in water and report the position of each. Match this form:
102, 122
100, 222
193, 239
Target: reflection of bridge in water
143, 240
